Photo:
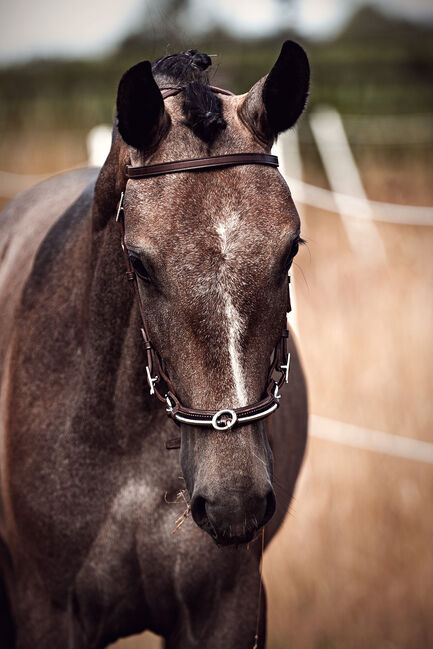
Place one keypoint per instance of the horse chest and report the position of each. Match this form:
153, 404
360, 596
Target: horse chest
143, 564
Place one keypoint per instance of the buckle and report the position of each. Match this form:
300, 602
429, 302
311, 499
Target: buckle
285, 368
228, 424
169, 404
119, 208
151, 380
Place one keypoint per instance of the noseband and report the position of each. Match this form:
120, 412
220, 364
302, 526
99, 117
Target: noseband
156, 374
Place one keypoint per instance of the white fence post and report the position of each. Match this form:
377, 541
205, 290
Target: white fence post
287, 150
344, 178
98, 143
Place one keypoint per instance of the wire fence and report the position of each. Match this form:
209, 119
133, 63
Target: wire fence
348, 198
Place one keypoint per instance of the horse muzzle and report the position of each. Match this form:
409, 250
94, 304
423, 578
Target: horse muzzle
234, 519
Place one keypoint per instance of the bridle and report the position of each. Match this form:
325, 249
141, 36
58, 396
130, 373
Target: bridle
158, 380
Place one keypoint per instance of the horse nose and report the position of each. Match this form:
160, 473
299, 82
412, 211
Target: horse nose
233, 519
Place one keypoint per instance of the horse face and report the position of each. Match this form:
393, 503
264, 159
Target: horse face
212, 252
213, 269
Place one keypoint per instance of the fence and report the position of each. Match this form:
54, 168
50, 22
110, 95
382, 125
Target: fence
359, 215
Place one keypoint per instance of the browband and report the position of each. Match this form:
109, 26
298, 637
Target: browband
171, 92
195, 164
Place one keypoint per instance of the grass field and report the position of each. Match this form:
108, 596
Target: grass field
352, 567
356, 555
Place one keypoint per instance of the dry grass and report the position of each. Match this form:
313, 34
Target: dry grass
42, 152
352, 567
143, 641
366, 329
39, 153
357, 554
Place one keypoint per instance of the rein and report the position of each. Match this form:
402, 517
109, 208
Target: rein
158, 380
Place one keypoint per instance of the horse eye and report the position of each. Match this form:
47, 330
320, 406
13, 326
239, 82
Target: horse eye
293, 252
139, 268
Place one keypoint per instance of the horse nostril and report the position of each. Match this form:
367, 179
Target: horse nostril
233, 518
198, 510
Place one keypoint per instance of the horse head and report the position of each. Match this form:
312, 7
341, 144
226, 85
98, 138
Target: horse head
211, 251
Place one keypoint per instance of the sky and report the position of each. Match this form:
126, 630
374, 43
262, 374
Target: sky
30, 28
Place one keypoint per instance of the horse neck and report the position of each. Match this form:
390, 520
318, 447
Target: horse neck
115, 359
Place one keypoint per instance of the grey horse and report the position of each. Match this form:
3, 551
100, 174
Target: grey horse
90, 495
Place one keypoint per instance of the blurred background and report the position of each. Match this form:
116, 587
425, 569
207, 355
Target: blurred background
353, 565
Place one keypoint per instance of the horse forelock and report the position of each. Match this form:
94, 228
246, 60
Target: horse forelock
202, 109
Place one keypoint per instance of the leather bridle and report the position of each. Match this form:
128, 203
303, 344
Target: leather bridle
158, 380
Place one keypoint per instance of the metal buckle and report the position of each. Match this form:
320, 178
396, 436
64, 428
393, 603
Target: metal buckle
286, 367
151, 381
169, 404
120, 207
228, 424
277, 395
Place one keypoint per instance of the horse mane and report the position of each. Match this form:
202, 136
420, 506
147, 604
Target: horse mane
202, 107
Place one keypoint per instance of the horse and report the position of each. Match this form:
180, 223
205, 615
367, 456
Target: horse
92, 488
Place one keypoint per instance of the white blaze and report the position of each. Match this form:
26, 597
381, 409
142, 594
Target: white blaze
235, 328
234, 323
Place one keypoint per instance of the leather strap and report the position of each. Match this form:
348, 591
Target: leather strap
171, 92
196, 164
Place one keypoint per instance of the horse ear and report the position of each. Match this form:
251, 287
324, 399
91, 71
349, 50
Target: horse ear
141, 115
275, 102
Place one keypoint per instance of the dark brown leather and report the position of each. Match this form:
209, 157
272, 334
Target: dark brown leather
172, 443
221, 91
171, 92
195, 164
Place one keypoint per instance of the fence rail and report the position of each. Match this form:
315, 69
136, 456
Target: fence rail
385, 212
370, 440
